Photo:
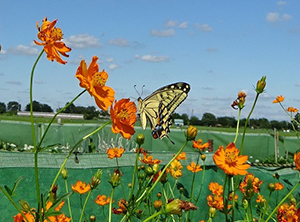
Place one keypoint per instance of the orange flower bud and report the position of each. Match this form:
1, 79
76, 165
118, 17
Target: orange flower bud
261, 84
191, 133
157, 204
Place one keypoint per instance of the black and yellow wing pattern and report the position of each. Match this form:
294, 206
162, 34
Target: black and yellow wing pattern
158, 107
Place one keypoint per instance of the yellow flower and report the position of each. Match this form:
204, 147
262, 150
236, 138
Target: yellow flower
181, 156
229, 161
175, 169
193, 167
94, 82
115, 152
81, 187
51, 40
278, 99
123, 116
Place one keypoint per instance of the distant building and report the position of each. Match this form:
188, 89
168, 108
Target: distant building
178, 122
50, 115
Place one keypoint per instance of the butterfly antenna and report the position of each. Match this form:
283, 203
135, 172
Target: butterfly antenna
142, 89
137, 91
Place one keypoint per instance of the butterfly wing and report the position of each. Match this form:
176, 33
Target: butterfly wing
160, 105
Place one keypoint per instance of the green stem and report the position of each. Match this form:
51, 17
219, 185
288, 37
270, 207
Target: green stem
281, 202
237, 126
68, 199
13, 202
134, 172
193, 180
246, 123
56, 114
71, 151
84, 205
202, 181
110, 203
153, 216
35, 150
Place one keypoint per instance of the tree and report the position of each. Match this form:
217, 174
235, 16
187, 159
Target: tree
2, 108
38, 107
70, 109
13, 106
195, 121
185, 118
208, 119
226, 121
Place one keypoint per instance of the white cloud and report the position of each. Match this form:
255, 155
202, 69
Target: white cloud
204, 27
275, 17
183, 25
152, 58
119, 42
113, 66
281, 3
212, 49
18, 83
163, 33
23, 50
171, 23
82, 41
110, 59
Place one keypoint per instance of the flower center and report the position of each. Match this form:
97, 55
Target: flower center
230, 157
98, 80
123, 114
56, 34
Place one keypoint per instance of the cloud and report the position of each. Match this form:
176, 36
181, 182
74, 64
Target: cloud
113, 66
183, 25
207, 88
276, 17
204, 27
39, 82
23, 50
110, 59
82, 41
171, 23
119, 42
152, 58
281, 3
17, 83
163, 33
212, 50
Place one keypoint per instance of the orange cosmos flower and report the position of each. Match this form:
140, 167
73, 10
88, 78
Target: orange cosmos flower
229, 161
20, 218
122, 207
278, 99
115, 152
193, 167
198, 145
250, 182
148, 159
292, 109
123, 116
297, 160
181, 156
215, 188
94, 82
101, 200
51, 40
278, 186
81, 187
175, 169
215, 201
288, 213
240, 101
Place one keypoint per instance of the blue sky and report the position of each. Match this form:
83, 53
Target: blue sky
219, 47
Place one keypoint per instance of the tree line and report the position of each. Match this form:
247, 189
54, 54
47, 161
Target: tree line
208, 119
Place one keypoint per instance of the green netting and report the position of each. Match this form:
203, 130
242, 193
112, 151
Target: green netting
13, 165
256, 145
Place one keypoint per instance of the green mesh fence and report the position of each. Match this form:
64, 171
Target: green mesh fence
13, 165
66, 135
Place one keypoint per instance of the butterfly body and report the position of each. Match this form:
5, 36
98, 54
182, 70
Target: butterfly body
158, 107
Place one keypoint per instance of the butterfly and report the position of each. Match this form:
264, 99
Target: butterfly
158, 107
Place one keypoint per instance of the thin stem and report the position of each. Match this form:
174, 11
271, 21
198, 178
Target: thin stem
68, 199
71, 151
202, 181
282, 201
84, 205
246, 123
237, 126
134, 172
110, 203
193, 180
153, 216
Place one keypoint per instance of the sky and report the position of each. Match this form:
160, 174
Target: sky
218, 47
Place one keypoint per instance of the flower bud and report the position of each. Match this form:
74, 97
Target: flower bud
64, 173
271, 187
212, 212
173, 207
159, 195
129, 185
155, 168
203, 157
293, 200
92, 218
115, 178
96, 179
140, 139
25, 206
191, 133
53, 195
261, 84
157, 204
149, 171
245, 203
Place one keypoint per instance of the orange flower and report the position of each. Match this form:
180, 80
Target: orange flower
292, 109
51, 40
20, 218
215, 188
278, 186
198, 145
259, 198
181, 156
193, 167
148, 159
215, 201
229, 161
240, 101
81, 187
123, 116
250, 183
297, 160
94, 82
288, 213
122, 207
101, 200
278, 99
175, 169
115, 152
